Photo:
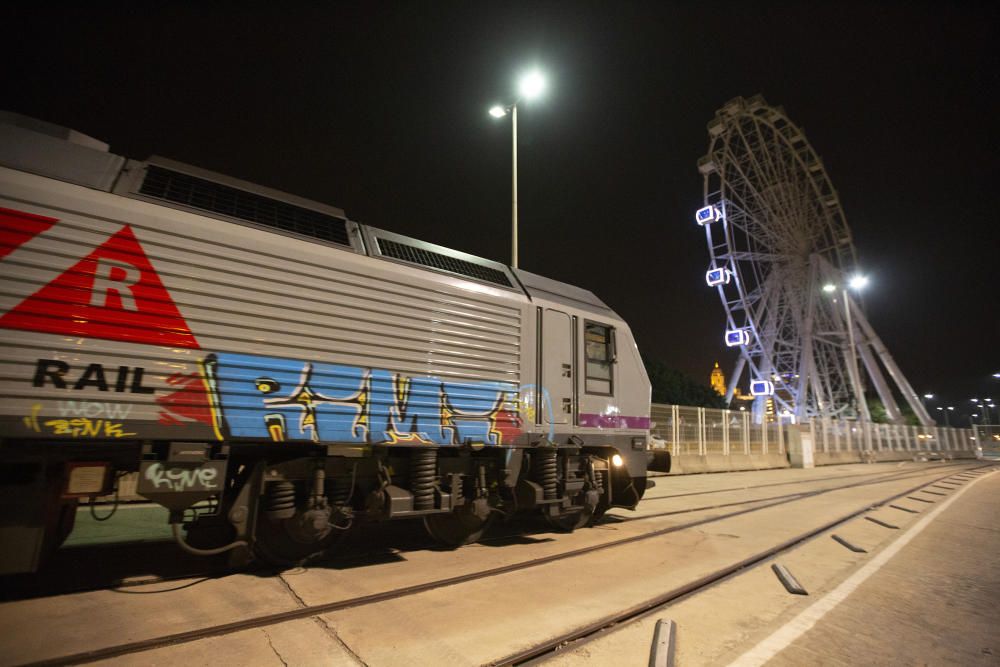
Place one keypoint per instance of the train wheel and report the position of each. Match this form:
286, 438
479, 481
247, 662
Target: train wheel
567, 522
465, 525
278, 543
599, 511
570, 521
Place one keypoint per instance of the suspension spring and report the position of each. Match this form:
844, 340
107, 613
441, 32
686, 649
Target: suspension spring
599, 481
546, 472
279, 500
339, 493
423, 472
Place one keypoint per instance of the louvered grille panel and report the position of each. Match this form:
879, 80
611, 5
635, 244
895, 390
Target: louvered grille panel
408, 253
205, 195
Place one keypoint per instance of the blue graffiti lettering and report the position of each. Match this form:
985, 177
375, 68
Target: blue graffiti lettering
291, 400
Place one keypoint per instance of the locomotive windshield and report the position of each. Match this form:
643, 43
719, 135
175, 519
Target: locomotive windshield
598, 348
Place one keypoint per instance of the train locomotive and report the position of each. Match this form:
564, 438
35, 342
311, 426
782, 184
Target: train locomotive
274, 373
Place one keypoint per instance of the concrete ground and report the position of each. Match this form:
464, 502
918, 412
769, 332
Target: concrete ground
926, 594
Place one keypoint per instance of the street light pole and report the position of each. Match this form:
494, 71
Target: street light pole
531, 85
855, 371
513, 207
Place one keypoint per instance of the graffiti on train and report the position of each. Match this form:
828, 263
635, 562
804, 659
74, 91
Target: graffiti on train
181, 478
79, 427
289, 400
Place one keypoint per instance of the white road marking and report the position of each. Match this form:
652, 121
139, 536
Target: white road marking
798, 626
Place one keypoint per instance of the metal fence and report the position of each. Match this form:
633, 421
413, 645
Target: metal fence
988, 437
688, 430
833, 435
702, 431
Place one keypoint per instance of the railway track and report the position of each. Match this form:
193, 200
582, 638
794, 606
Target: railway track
579, 634
577, 637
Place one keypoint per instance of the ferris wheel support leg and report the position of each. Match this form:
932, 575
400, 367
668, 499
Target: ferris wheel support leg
875, 373
734, 379
894, 372
852, 361
806, 362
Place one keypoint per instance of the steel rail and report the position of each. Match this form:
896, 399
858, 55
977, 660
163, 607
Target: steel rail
583, 634
316, 610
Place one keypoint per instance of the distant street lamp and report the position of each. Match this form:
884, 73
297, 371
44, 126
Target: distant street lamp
529, 87
985, 407
946, 411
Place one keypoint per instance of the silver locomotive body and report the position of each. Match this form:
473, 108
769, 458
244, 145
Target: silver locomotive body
232, 343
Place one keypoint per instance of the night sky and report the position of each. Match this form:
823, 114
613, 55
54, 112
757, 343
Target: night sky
381, 109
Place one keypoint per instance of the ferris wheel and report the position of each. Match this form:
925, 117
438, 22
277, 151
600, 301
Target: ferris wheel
782, 260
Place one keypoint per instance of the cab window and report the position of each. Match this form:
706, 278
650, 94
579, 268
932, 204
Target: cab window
599, 349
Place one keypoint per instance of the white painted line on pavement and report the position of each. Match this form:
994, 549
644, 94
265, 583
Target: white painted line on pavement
798, 626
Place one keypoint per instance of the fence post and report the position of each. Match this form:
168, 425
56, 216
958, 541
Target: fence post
746, 433
812, 430
675, 428
725, 431
702, 446
763, 436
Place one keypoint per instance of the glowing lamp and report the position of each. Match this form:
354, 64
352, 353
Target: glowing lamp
498, 111
737, 337
707, 214
532, 85
717, 277
761, 388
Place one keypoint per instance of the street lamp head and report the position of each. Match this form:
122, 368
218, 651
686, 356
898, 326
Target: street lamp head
940, 408
498, 111
950, 408
858, 282
531, 85
829, 288
928, 395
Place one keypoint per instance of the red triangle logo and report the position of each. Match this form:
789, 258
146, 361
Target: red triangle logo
18, 227
113, 293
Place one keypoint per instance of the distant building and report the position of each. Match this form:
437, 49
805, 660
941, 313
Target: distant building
718, 382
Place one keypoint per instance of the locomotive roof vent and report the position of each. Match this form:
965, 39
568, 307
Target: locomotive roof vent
429, 255
192, 188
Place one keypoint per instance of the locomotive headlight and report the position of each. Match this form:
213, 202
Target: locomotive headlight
617, 461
